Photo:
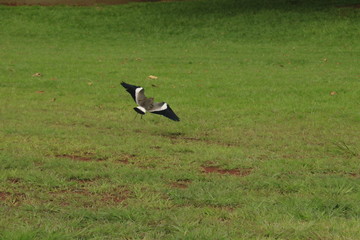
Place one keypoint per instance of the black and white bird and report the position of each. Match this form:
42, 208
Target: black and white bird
148, 104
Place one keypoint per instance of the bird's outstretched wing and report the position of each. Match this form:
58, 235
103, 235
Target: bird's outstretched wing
165, 110
136, 92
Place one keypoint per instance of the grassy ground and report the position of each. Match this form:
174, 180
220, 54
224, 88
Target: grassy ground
268, 143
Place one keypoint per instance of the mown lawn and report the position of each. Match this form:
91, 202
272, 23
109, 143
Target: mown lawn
267, 146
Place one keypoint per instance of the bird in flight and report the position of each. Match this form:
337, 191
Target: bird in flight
147, 104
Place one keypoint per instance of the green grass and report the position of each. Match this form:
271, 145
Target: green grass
252, 85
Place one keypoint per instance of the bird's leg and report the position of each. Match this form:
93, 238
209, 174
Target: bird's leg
135, 116
141, 117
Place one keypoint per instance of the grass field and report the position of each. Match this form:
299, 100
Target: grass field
267, 146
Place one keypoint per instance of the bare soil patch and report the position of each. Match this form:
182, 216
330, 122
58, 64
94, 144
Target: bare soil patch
180, 136
117, 196
178, 185
126, 159
75, 157
4, 195
85, 158
75, 196
182, 184
354, 175
14, 180
237, 171
84, 181
13, 199
123, 161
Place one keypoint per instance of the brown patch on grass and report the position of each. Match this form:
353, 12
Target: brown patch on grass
182, 184
85, 158
173, 134
180, 136
14, 180
354, 175
337, 173
73, 196
237, 171
13, 199
4, 196
116, 196
85, 198
178, 185
225, 208
125, 159
75, 157
84, 180
80, 191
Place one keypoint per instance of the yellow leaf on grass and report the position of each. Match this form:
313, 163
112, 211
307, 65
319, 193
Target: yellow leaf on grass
152, 77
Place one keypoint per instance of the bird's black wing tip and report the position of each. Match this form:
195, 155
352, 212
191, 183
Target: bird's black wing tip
130, 89
139, 111
172, 117
124, 84
129, 86
169, 113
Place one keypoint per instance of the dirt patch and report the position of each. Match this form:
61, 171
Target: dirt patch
179, 185
117, 196
85, 198
75, 157
123, 161
13, 199
237, 171
84, 180
354, 175
85, 158
182, 184
126, 159
14, 180
180, 136
4, 196
80, 191
343, 174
